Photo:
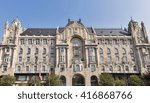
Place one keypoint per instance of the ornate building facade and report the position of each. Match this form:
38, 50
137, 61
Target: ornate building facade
78, 54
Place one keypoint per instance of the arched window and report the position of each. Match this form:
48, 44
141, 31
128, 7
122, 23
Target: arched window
134, 68
124, 59
77, 47
101, 51
44, 50
63, 80
116, 51
102, 68
28, 51
108, 51
94, 81
76, 42
21, 51
77, 68
36, 51
131, 50
118, 68
132, 55
126, 68
123, 51
110, 68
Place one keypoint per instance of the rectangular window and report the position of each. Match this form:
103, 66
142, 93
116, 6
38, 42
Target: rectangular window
60, 58
43, 68
20, 51
93, 68
76, 68
4, 68
36, 59
37, 42
29, 41
21, 78
109, 59
44, 41
52, 50
27, 68
62, 68
19, 69
44, 59
35, 68
52, 58
52, 42
28, 59
116, 59
6, 58
44, 50
20, 59
22, 41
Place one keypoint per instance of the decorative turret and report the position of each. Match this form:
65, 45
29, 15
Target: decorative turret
143, 30
6, 26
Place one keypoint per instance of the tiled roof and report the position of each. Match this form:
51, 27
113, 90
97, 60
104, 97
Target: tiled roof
98, 31
109, 32
39, 31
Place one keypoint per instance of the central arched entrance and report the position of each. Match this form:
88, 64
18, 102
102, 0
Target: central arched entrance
78, 80
63, 80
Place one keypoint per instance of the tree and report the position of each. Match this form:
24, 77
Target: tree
7, 80
52, 80
146, 78
106, 79
134, 80
120, 82
35, 81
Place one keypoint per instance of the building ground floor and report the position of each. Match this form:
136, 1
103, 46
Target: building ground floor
76, 79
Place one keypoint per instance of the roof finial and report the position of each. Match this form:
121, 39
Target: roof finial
79, 19
68, 20
131, 18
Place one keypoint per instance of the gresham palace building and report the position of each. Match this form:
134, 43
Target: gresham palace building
76, 53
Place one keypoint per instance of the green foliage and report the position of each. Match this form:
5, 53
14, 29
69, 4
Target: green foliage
22, 84
7, 80
120, 82
52, 80
35, 81
106, 79
134, 80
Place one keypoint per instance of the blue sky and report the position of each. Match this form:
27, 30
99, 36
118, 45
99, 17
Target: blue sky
96, 13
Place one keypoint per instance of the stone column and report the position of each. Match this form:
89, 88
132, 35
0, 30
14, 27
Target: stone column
57, 56
149, 53
140, 61
87, 80
69, 80
67, 57
97, 57
1, 50
87, 61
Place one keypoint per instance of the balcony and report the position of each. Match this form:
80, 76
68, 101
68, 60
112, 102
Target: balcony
31, 71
